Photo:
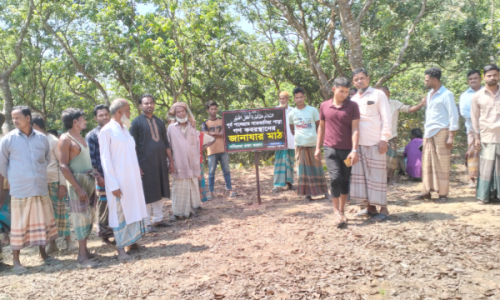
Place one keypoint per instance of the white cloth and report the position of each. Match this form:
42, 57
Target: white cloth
290, 140
155, 210
121, 170
54, 173
396, 107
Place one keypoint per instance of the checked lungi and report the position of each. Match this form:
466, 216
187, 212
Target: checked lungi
436, 164
202, 185
488, 181
82, 212
103, 229
60, 208
310, 174
185, 196
283, 167
472, 158
369, 178
33, 222
392, 160
127, 234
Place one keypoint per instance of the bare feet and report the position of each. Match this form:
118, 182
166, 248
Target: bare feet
19, 269
52, 247
122, 255
87, 263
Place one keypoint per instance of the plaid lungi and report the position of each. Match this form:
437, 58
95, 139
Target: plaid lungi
203, 186
488, 181
185, 196
391, 160
103, 229
82, 212
33, 222
310, 174
472, 158
127, 234
369, 177
61, 214
283, 167
436, 164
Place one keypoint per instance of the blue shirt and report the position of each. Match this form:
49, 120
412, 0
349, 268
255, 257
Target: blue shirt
465, 101
92, 140
441, 112
23, 161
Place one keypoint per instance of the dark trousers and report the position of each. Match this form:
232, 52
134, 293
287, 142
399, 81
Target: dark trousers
338, 172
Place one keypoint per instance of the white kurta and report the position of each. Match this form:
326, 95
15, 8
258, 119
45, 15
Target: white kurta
121, 171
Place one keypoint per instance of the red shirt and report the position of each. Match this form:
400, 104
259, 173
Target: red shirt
338, 123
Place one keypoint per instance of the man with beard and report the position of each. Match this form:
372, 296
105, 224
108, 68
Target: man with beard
126, 203
24, 157
152, 149
101, 115
441, 124
186, 149
472, 156
485, 118
76, 166
369, 176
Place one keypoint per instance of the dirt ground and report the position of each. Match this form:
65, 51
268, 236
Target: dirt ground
286, 249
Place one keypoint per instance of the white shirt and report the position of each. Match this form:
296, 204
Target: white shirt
396, 107
289, 136
121, 170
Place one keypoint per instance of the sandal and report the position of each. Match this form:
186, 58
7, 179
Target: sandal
275, 190
162, 224
365, 213
339, 221
381, 218
423, 197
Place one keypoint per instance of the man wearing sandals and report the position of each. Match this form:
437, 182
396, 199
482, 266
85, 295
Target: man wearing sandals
369, 176
24, 157
338, 134
485, 117
441, 124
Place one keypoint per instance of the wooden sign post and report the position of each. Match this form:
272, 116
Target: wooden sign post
256, 161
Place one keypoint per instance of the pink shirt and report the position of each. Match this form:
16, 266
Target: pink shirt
186, 151
375, 121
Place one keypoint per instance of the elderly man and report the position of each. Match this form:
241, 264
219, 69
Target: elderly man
57, 188
152, 149
485, 118
471, 156
441, 123
101, 115
284, 159
186, 149
24, 157
126, 202
369, 176
76, 166
396, 107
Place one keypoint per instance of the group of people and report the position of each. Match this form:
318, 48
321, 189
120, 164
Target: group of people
356, 131
117, 175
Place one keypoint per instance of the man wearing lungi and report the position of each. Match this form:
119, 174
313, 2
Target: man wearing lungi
24, 157
338, 135
284, 159
304, 121
102, 116
186, 151
471, 156
76, 166
396, 107
441, 124
57, 188
150, 135
126, 202
369, 176
485, 119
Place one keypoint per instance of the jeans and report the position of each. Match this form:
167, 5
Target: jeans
212, 166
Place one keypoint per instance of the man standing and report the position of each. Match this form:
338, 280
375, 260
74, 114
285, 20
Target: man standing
485, 119
126, 202
76, 166
303, 121
215, 153
101, 115
338, 134
369, 177
152, 148
284, 159
472, 156
24, 157
441, 123
57, 188
186, 148
396, 107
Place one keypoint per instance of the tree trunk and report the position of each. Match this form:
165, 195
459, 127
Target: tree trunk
351, 28
7, 105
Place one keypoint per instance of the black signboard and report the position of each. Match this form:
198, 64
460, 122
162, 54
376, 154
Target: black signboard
254, 129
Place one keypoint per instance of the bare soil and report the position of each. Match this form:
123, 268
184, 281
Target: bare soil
287, 249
